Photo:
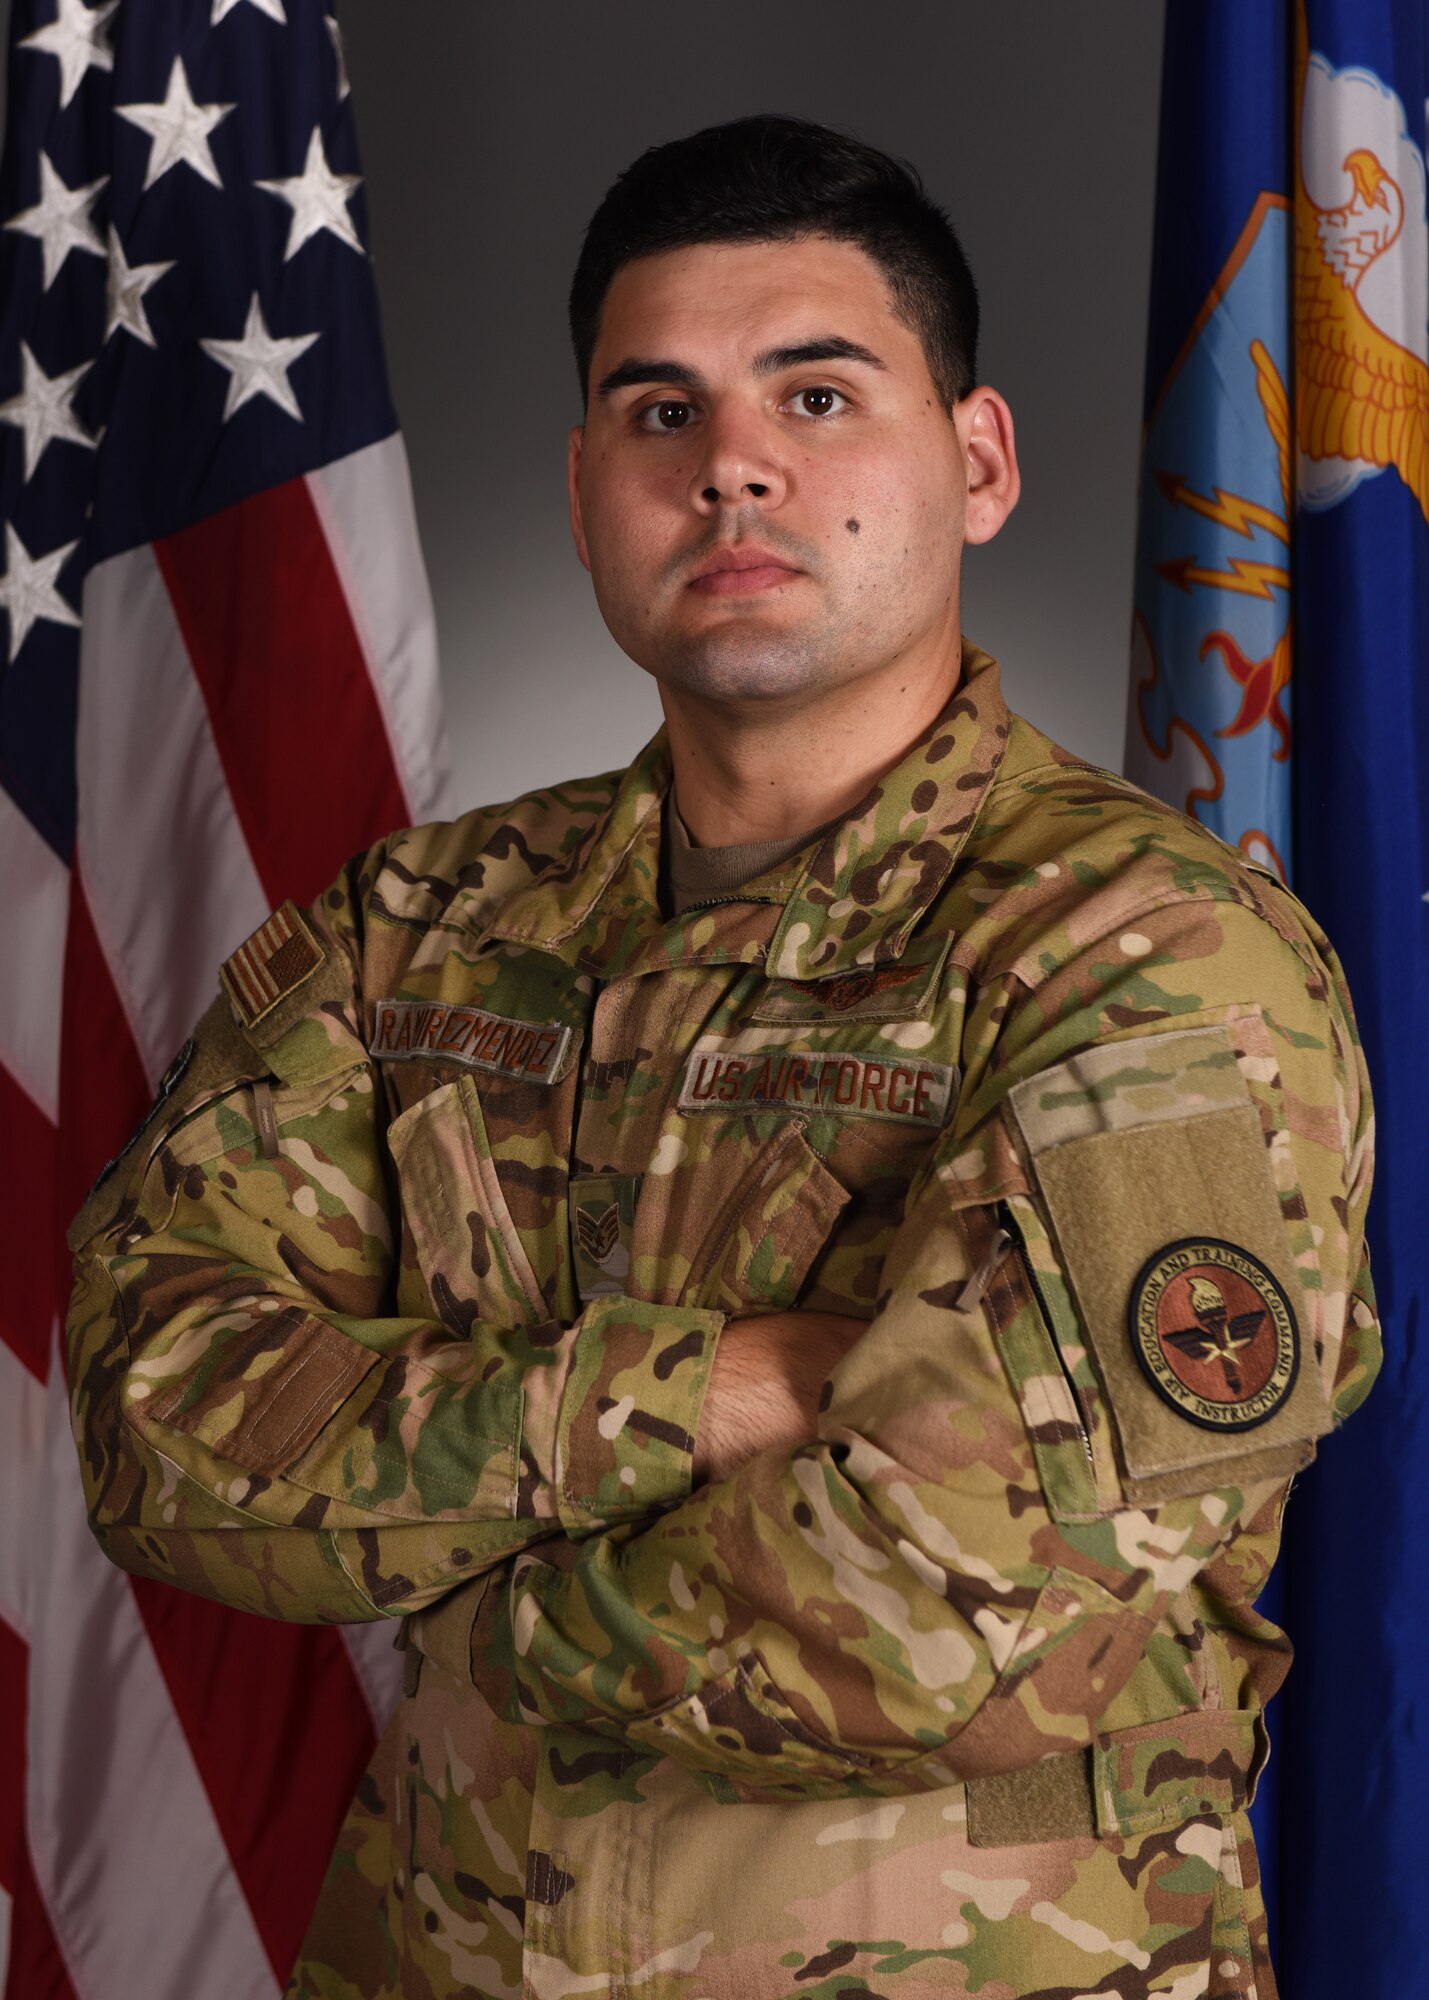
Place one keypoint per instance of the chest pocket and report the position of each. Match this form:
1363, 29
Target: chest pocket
463, 1257
760, 1246
801, 1119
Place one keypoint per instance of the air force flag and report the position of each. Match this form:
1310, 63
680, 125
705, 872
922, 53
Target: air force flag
1280, 694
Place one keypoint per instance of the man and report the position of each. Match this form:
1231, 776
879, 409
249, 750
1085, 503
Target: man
804, 1270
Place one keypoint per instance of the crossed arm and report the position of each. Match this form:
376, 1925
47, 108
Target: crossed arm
764, 1386
850, 1556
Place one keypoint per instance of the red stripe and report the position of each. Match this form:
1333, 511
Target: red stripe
104, 1091
14, 1654
35, 1284
36, 1970
301, 737
281, 1735
245, 978
241, 967
278, 1726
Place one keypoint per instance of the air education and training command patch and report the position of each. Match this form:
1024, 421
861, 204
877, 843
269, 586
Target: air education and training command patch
1214, 1333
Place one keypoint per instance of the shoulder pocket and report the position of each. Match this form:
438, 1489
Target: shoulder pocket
1157, 1177
215, 1061
1042, 1348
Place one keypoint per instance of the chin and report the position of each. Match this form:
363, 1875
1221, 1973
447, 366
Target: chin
747, 662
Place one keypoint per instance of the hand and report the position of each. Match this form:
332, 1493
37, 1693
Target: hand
764, 1385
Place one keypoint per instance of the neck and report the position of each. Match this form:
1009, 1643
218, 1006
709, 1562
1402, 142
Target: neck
766, 771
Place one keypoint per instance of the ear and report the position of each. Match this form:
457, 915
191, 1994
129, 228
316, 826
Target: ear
984, 424
573, 472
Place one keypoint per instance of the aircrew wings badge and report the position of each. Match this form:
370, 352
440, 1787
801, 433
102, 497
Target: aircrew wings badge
1214, 1334
266, 967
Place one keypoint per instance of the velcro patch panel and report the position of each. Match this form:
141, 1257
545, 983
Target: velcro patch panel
1151, 1160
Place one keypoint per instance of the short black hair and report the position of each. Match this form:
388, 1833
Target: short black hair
770, 179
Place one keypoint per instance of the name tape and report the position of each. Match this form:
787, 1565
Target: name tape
916, 1093
418, 1030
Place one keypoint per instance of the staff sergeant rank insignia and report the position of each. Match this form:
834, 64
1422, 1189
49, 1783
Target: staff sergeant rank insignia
1214, 1333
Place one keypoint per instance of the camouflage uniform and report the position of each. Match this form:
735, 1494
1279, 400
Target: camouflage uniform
404, 1302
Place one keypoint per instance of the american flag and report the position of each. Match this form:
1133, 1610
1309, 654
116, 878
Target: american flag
218, 680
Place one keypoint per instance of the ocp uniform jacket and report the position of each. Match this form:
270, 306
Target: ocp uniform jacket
404, 1302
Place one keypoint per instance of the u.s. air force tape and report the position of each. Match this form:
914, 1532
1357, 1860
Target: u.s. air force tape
821, 1080
424, 1030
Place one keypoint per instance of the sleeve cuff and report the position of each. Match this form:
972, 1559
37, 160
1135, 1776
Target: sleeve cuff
630, 1408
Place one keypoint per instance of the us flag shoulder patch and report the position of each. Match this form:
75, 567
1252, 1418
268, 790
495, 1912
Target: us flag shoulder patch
270, 965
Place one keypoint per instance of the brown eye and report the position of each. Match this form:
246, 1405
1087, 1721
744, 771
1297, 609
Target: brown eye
667, 416
818, 401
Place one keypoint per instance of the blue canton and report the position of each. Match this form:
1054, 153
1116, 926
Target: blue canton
188, 315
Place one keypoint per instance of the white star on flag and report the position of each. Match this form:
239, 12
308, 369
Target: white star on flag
124, 293
334, 28
44, 409
318, 198
178, 129
272, 8
75, 37
27, 589
258, 364
60, 221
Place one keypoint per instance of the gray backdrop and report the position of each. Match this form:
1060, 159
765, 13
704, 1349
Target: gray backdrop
489, 132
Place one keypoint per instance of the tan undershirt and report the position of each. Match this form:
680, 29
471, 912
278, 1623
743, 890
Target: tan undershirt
706, 874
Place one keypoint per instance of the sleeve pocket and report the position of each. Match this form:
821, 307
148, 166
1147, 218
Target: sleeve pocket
455, 1220
267, 1396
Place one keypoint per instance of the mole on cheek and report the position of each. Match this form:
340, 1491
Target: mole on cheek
851, 525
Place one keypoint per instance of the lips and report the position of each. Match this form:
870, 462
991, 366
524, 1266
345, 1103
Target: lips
743, 569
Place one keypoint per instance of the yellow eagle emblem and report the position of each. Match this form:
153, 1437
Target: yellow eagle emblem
1358, 393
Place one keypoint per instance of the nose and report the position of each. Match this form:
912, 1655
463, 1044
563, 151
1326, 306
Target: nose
739, 462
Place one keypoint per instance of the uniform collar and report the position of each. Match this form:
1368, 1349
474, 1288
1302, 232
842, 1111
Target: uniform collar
855, 902
872, 878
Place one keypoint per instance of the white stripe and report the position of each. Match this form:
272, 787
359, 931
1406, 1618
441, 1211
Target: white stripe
34, 906
22, 1445
364, 502
4, 1930
129, 1859
377, 1665
167, 871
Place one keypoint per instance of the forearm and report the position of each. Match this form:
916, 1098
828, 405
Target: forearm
406, 1457
833, 1614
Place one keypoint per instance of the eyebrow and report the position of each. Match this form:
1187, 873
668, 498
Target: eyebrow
632, 373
